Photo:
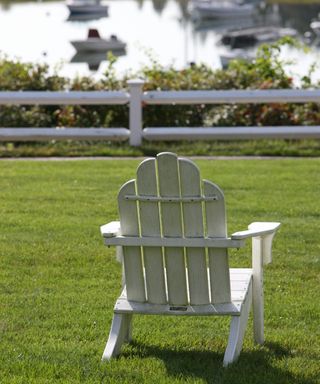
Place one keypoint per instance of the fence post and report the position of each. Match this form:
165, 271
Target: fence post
135, 112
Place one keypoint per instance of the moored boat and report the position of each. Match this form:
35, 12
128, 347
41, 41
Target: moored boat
94, 43
221, 9
84, 7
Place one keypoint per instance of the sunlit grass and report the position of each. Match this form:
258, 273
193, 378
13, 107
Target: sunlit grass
59, 283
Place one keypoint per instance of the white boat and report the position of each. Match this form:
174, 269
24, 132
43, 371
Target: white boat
94, 43
222, 9
80, 7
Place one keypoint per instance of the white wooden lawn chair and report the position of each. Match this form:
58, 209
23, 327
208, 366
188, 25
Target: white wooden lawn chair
173, 237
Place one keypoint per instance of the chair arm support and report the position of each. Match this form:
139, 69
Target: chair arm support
262, 235
111, 229
262, 232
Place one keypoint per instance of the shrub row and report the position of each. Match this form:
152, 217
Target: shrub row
265, 72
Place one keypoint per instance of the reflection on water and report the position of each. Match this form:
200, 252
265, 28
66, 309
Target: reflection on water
294, 16
221, 25
298, 16
94, 59
161, 29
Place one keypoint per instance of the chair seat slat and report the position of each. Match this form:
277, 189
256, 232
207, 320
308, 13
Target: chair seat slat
123, 305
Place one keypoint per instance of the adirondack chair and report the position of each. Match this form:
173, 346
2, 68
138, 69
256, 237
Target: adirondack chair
172, 237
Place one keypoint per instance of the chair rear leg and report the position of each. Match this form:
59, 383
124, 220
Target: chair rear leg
237, 329
119, 333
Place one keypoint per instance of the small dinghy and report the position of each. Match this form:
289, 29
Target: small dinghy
85, 7
94, 43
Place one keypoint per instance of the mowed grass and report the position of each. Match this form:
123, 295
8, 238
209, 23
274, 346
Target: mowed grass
59, 282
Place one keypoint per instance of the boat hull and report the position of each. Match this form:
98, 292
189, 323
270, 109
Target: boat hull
79, 9
221, 10
98, 45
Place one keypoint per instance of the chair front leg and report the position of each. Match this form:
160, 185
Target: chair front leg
257, 300
120, 332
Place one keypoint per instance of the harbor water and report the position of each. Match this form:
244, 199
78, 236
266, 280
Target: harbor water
160, 30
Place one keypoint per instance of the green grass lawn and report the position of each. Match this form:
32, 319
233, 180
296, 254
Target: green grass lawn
59, 283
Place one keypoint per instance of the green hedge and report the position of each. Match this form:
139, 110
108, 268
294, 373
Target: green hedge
266, 72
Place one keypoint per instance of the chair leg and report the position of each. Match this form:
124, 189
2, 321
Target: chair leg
237, 329
258, 318
257, 296
120, 332
128, 335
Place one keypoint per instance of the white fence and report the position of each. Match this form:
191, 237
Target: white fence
135, 99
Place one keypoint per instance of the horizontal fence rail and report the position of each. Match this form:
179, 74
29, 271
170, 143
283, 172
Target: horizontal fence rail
64, 98
135, 98
232, 96
231, 133
44, 134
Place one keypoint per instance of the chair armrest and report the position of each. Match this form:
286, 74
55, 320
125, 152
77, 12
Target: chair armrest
262, 234
111, 229
257, 229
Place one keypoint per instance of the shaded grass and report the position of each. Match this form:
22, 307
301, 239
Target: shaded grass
300, 148
58, 283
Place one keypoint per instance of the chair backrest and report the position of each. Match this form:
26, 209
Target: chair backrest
168, 199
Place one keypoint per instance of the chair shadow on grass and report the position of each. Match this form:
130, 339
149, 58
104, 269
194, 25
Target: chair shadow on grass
252, 367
